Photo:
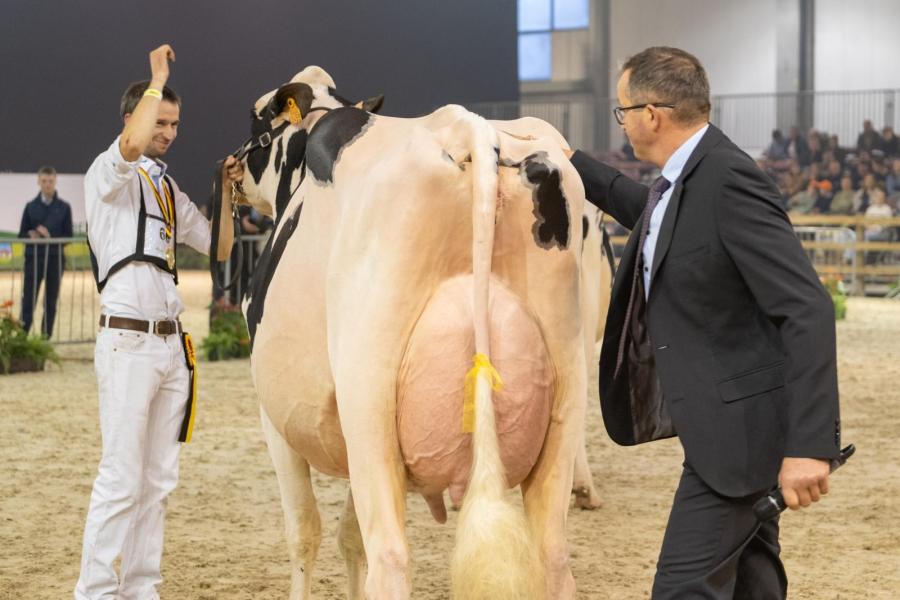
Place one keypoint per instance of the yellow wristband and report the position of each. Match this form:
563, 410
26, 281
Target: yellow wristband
153, 93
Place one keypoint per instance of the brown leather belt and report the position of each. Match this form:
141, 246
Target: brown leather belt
157, 327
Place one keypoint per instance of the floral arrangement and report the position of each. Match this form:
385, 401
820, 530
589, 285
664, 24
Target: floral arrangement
18, 350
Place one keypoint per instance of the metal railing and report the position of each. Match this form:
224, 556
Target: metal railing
52, 289
748, 119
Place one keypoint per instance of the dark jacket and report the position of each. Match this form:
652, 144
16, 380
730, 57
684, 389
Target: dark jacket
56, 217
734, 350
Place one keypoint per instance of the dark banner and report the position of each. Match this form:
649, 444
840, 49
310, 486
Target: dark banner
64, 66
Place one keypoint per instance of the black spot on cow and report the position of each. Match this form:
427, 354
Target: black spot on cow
334, 132
551, 212
279, 155
265, 269
296, 148
585, 227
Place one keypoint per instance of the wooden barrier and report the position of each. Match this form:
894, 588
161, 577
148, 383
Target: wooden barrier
852, 268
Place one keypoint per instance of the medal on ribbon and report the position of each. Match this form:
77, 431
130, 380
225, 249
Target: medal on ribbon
167, 210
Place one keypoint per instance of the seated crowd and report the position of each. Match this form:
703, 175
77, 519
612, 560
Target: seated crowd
817, 176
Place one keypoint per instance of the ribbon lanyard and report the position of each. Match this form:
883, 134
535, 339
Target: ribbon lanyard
190, 412
167, 208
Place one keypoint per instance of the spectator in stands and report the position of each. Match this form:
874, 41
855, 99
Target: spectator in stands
834, 174
792, 183
863, 197
842, 202
839, 153
47, 216
803, 201
890, 145
778, 148
814, 142
798, 149
877, 233
879, 165
869, 139
821, 191
860, 171
892, 181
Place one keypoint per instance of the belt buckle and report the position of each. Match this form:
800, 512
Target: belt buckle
156, 325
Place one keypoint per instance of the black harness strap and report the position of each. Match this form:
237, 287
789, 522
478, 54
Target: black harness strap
607, 249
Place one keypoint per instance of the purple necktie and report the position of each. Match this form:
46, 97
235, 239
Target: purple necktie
658, 188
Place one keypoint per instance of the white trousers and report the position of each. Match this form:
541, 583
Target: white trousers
143, 386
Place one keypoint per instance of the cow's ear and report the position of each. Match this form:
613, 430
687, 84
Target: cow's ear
372, 105
289, 99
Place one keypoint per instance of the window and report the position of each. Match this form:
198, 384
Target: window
538, 19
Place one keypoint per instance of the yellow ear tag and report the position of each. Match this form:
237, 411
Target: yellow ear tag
294, 112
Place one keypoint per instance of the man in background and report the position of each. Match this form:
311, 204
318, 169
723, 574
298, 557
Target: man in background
46, 216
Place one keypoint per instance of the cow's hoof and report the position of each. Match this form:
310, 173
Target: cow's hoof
586, 498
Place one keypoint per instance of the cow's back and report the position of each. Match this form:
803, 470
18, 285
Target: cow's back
382, 241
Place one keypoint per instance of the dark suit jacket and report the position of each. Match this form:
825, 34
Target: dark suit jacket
56, 217
734, 350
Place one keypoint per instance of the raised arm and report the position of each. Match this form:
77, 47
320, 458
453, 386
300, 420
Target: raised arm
139, 125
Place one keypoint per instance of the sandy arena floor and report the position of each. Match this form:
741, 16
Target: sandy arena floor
224, 536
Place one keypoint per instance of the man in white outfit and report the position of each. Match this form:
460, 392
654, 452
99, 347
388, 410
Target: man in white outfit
143, 360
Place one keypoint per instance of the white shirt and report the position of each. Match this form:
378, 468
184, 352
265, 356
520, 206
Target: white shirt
112, 197
671, 171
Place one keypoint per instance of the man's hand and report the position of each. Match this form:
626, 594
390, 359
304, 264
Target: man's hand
233, 169
803, 481
42, 231
33, 234
159, 65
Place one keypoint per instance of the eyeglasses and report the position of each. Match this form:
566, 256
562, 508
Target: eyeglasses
619, 111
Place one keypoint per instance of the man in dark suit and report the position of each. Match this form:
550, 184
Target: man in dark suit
718, 332
47, 216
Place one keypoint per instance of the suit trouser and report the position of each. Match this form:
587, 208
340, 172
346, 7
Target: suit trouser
43, 267
715, 548
143, 387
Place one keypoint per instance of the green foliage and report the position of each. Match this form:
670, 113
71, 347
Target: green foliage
228, 337
840, 306
838, 292
16, 343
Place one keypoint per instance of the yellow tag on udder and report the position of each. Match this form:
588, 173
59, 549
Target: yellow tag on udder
482, 363
294, 112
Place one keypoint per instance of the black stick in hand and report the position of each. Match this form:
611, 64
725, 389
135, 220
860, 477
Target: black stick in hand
772, 505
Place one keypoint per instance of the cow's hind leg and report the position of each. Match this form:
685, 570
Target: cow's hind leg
586, 496
352, 549
546, 491
302, 525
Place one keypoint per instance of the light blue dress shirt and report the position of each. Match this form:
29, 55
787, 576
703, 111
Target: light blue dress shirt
671, 171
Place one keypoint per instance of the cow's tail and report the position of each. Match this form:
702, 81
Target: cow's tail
495, 557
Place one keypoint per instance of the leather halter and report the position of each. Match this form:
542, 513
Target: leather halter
252, 144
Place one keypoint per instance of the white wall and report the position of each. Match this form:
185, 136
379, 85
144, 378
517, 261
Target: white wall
735, 40
17, 189
857, 44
